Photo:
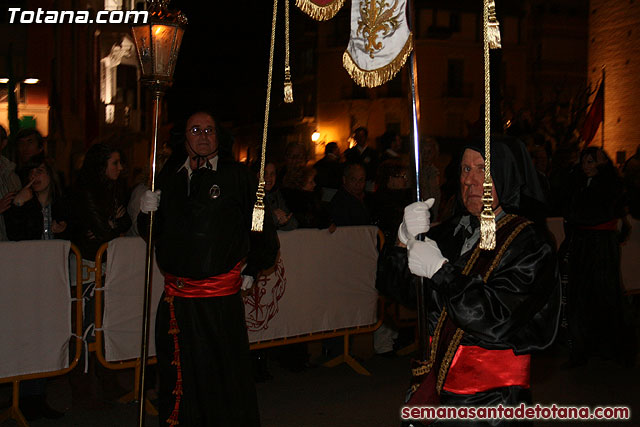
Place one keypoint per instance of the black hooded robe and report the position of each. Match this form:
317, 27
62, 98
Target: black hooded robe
202, 230
515, 308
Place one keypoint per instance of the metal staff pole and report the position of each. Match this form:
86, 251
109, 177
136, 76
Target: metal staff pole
148, 269
415, 120
157, 43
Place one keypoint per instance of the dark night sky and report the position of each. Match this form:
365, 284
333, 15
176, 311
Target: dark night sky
224, 57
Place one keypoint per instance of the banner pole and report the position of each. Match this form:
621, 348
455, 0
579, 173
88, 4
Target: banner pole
415, 134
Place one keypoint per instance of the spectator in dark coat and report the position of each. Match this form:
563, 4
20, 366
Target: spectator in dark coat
99, 211
38, 211
298, 189
348, 206
392, 196
365, 155
329, 177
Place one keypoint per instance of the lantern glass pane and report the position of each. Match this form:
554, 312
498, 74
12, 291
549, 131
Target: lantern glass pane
141, 34
163, 38
176, 48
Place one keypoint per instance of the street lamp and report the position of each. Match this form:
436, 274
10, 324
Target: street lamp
157, 43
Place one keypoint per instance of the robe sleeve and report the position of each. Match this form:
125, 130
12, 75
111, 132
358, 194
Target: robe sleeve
518, 307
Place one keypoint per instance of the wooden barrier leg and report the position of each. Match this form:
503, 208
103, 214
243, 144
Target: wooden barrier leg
346, 357
14, 411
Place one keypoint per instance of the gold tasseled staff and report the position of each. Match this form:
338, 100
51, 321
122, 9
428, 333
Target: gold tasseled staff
491, 33
257, 219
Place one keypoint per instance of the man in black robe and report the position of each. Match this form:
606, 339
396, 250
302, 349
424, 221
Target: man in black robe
487, 310
206, 250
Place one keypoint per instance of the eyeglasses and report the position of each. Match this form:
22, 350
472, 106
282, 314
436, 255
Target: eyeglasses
196, 131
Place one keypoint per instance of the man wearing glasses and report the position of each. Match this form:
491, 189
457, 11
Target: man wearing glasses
208, 254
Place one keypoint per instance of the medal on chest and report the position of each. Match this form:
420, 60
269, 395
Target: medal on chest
214, 191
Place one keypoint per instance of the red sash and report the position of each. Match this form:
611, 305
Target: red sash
215, 286
475, 369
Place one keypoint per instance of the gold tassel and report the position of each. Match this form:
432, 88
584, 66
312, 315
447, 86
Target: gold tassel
374, 78
288, 87
487, 220
257, 219
493, 28
319, 13
487, 231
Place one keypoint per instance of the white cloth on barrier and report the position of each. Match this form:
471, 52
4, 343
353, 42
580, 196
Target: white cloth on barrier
123, 299
629, 256
35, 307
322, 282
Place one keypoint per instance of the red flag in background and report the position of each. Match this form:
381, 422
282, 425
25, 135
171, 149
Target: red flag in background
594, 116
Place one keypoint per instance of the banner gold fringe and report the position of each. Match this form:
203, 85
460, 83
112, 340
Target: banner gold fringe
320, 13
377, 77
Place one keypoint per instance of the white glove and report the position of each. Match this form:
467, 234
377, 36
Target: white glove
425, 258
417, 220
247, 282
149, 201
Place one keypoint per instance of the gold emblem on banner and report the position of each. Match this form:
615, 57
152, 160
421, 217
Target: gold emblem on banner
377, 20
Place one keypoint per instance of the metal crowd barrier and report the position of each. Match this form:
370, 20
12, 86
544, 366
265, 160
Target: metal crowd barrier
98, 346
13, 412
346, 333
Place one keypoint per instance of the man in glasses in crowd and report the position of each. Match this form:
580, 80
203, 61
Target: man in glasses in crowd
208, 254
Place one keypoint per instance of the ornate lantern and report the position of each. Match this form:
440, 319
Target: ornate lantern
158, 43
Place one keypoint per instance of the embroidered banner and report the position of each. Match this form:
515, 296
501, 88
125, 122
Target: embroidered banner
380, 41
320, 10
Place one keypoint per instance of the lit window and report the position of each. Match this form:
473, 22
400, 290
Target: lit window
112, 4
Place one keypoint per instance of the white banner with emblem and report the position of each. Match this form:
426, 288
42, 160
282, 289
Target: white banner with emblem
380, 41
